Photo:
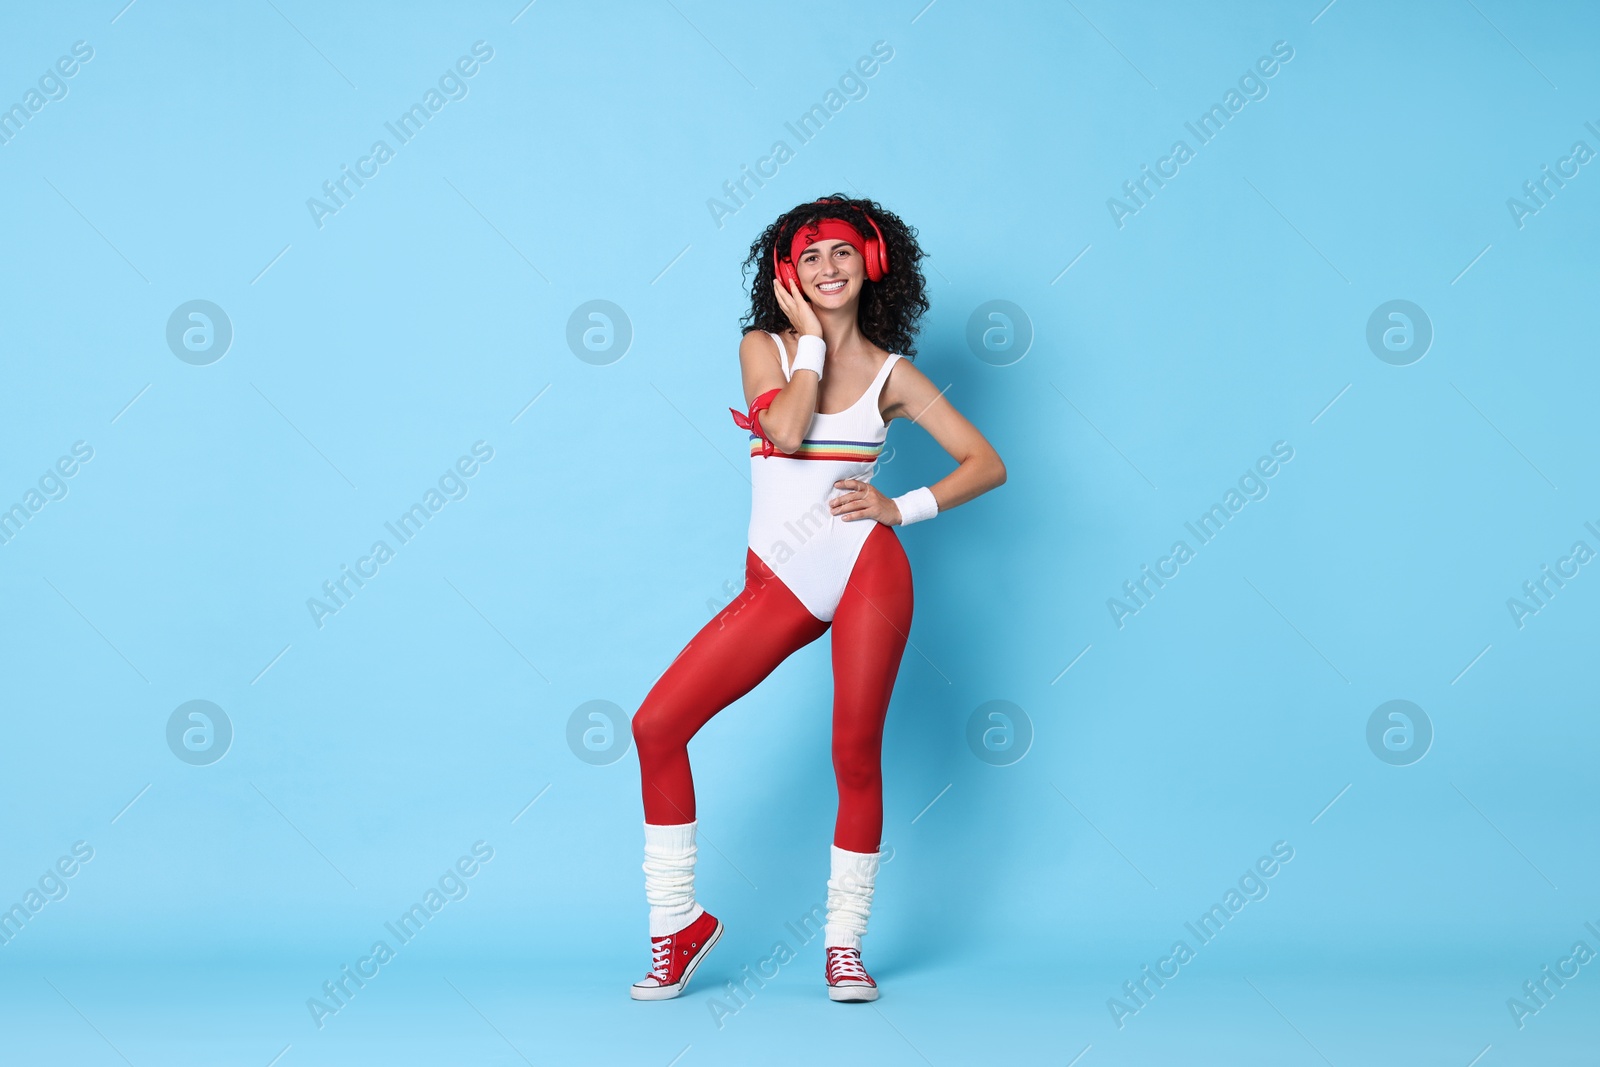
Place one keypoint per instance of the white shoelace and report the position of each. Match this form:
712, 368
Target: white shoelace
847, 963
661, 959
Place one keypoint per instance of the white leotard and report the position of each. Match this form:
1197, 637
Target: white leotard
791, 528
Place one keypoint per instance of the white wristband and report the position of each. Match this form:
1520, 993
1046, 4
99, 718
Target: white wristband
808, 354
916, 505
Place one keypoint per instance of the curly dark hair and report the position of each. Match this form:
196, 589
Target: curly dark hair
890, 310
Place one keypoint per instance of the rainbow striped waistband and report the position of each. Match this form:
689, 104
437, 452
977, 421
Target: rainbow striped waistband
847, 451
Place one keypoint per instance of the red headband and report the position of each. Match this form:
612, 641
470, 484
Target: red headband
826, 229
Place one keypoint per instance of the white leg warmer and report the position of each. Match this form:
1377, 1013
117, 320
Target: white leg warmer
849, 896
669, 853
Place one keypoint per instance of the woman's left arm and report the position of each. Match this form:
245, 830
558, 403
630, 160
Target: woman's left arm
911, 395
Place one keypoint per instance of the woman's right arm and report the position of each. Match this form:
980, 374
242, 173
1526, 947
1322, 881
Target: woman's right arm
789, 415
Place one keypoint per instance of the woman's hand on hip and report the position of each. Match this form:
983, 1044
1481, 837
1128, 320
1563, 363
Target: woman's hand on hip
863, 501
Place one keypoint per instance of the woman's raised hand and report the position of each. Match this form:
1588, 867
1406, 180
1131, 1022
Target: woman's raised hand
797, 308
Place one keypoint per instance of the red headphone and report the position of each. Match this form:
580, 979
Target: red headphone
876, 255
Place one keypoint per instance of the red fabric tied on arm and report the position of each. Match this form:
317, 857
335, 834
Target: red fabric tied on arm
752, 421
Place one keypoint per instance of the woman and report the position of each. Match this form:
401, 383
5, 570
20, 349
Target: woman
835, 304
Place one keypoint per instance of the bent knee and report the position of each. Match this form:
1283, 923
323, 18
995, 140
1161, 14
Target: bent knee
653, 729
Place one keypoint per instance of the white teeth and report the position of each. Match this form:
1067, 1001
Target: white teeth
831, 287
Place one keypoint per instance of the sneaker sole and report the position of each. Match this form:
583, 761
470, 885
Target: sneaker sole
852, 992
668, 992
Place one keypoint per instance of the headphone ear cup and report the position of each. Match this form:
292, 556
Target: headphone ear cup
874, 261
877, 254
784, 271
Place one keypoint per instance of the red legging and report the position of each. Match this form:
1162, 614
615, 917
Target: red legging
746, 640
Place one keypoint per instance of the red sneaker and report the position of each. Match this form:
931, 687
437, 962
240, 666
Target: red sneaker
674, 958
847, 979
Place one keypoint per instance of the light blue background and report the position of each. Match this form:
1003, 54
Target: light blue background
1229, 313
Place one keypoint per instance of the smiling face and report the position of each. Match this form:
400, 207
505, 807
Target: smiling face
831, 273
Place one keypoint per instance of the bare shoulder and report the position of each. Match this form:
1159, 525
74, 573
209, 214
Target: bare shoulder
907, 391
753, 339
756, 345
759, 365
